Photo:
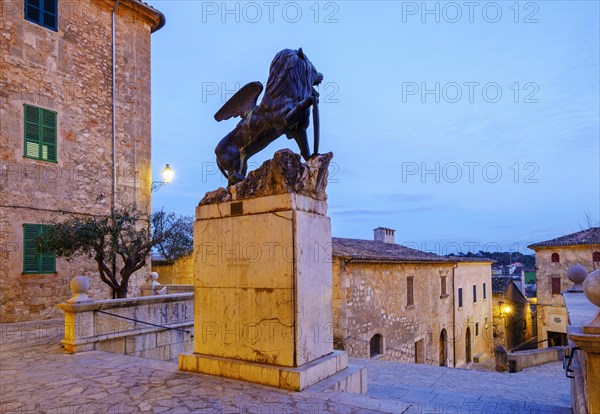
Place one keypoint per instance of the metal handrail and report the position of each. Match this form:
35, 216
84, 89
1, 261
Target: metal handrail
567, 363
147, 323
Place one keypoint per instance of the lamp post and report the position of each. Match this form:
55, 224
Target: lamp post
167, 175
505, 310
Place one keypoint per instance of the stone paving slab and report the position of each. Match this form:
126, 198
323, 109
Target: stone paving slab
36, 376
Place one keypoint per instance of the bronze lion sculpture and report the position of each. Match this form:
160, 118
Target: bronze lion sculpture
284, 109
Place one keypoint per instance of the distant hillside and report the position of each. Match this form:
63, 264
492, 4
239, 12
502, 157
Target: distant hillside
503, 258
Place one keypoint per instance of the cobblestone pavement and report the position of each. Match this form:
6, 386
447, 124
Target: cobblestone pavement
36, 376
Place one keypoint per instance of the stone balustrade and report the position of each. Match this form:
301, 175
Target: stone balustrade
584, 341
151, 327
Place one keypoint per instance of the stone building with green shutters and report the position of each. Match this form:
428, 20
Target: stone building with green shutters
74, 134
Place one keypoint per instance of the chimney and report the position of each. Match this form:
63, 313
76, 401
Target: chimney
385, 235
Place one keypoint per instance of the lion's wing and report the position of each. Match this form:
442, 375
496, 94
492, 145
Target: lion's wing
241, 103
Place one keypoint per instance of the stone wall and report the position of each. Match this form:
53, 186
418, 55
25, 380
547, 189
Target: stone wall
583, 364
546, 269
177, 272
518, 361
473, 316
69, 71
512, 328
370, 298
552, 315
106, 325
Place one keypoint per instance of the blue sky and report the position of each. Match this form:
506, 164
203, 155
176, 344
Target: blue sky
463, 126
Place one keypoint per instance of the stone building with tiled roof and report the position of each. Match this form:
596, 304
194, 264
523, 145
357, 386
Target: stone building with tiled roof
74, 137
514, 320
553, 258
401, 304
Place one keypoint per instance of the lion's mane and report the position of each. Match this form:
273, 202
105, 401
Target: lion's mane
290, 76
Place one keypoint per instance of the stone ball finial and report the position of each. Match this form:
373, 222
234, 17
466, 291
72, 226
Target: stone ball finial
80, 285
591, 290
591, 287
154, 280
577, 274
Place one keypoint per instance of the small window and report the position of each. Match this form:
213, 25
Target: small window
556, 285
460, 301
376, 345
476, 328
555, 258
40, 133
34, 262
410, 300
596, 256
443, 286
42, 12
474, 293
484, 291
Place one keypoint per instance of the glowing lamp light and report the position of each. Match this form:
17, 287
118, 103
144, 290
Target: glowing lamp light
168, 174
507, 309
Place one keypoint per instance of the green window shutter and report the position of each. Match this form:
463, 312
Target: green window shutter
32, 132
40, 133
47, 260
30, 254
34, 262
48, 133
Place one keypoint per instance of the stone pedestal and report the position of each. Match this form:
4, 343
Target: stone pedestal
263, 282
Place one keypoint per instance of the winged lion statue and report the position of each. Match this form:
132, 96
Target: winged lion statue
284, 109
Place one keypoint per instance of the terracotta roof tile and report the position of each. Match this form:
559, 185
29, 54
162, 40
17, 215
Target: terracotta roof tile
370, 250
587, 236
500, 284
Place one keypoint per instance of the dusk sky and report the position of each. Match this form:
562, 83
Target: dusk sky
466, 126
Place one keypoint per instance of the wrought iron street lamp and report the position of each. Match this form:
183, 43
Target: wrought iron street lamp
167, 176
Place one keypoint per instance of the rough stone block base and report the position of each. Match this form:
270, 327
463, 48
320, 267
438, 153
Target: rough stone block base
293, 379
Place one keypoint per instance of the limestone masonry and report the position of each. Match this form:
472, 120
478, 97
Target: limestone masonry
61, 78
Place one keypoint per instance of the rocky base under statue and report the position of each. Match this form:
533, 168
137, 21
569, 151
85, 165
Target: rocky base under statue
285, 173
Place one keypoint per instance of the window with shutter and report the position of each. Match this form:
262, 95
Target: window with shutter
556, 285
40, 133
42, 12
460, 298
34, 262
409, 291
443, 286
474, 293
484, 291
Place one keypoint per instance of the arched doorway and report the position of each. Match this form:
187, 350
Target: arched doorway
468, 344
376, 345
443, 348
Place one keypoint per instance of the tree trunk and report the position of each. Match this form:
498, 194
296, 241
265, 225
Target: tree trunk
121, 292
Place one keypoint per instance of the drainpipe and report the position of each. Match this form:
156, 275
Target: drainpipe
114, 125
114, 107
454, 318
